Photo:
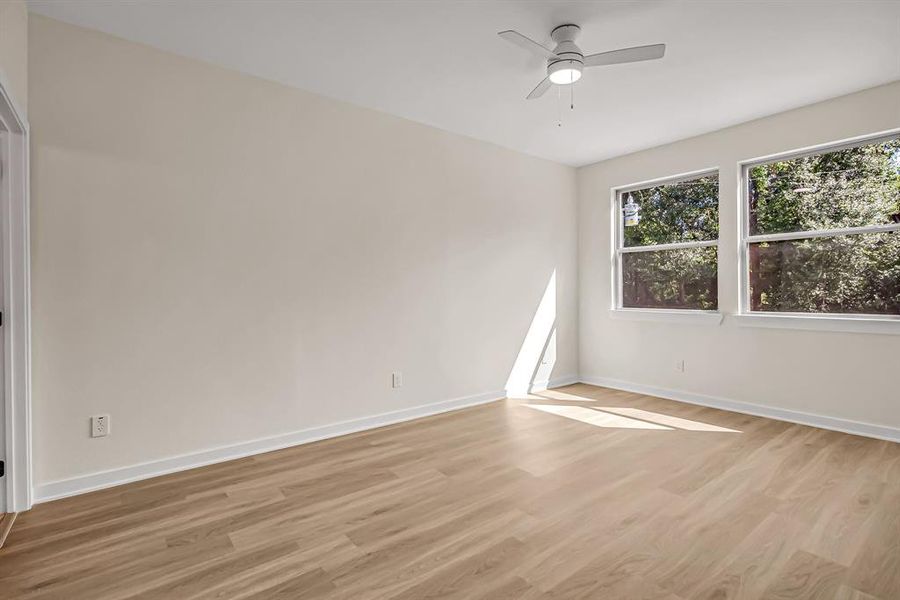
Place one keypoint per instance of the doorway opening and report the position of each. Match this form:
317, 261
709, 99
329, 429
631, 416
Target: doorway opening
15, 310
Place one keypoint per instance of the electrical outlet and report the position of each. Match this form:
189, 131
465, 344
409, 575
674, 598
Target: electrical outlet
397, 379
679, 365
100, 426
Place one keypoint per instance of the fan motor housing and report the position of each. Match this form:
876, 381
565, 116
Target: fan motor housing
570, 55
565, 33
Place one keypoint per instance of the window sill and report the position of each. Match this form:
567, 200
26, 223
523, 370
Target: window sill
687, 317
821, 323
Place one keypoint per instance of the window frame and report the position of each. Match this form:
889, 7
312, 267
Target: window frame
852, 322
618, 249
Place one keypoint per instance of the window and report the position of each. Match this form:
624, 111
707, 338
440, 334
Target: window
666, 236
821, 232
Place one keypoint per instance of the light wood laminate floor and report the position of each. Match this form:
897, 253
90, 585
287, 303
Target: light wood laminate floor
581, 492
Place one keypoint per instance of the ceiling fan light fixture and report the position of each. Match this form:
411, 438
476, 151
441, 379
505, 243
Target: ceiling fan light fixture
565, 76
564, 72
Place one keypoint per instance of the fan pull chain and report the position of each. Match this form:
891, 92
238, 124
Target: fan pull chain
558, 106
572, 96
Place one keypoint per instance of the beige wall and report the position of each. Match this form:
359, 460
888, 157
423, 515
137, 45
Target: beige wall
843, 375
217, 258
14, 51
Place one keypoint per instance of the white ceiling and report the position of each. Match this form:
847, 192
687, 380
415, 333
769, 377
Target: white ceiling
440, 62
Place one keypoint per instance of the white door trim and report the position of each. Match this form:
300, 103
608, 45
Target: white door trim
15, 302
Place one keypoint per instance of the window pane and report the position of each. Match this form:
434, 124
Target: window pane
847, 274
677, 212
684, 278
854, 187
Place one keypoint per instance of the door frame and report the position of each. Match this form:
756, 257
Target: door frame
15, 302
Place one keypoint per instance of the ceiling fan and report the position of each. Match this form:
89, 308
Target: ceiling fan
566, 61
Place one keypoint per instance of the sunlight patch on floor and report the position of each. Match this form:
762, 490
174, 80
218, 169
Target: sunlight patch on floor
594, 417
624, 417
654, 417
554, 395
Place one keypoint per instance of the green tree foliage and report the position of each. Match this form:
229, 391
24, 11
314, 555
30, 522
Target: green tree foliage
685, 278
854, 187
686, 211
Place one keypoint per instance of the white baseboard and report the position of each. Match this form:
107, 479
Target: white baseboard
95, 481
543, 385
881, 432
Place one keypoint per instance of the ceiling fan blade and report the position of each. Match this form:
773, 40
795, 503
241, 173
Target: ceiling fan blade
625, 55
529, 44
542, 87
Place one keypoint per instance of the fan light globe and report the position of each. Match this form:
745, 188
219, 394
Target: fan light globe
564, 72
565, 76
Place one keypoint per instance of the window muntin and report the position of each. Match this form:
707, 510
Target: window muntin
667, 257
822, 232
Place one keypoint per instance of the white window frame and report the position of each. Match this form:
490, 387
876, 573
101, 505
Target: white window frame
860, 323
618, 249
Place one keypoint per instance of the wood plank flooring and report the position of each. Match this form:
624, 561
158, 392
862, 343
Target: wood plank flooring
579, 493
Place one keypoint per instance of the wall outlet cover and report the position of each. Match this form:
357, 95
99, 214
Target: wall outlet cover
99, 425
